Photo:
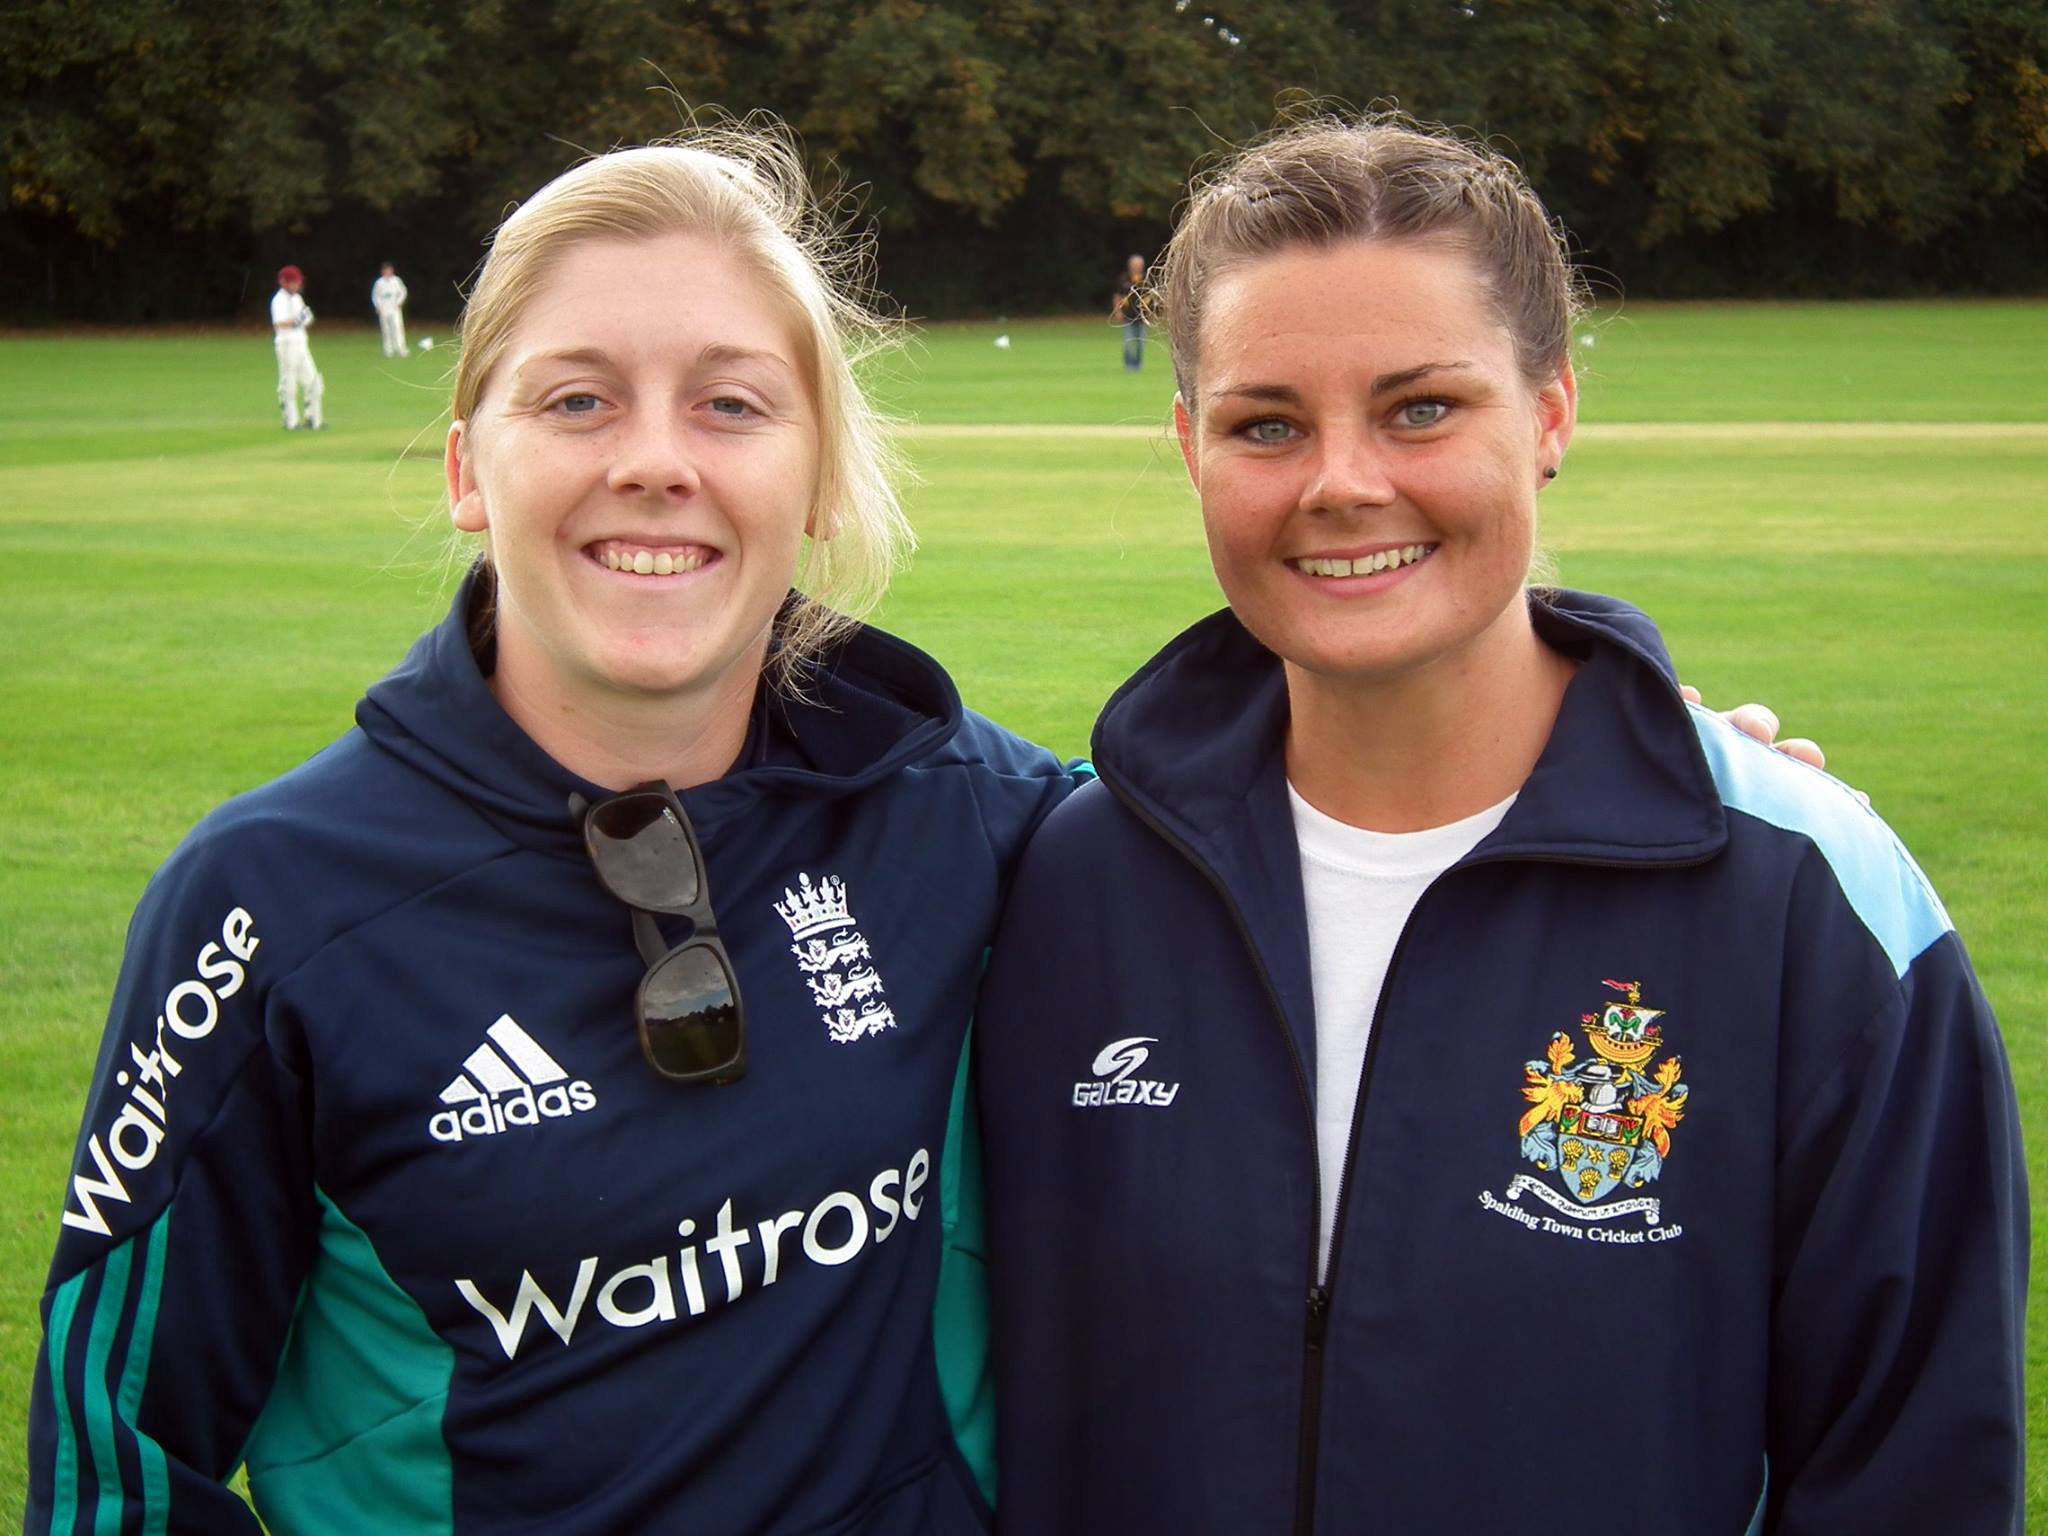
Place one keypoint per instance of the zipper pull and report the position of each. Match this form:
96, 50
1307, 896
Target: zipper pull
1318, 1316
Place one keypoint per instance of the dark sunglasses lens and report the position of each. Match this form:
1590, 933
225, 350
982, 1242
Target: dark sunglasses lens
690, 1014
642, 852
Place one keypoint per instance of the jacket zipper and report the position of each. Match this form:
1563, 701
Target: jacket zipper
1319, 1298
1311, 1407
1318, 1291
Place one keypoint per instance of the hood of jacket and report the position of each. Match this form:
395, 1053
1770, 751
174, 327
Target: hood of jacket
870, 705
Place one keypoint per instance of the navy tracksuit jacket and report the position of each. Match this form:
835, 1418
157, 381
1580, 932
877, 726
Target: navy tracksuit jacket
375, 1193
1684, 1192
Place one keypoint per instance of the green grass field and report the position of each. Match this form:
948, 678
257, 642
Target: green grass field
191, 601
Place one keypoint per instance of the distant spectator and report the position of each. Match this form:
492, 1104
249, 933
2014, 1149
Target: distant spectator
290, 318
387, 297
1129, 312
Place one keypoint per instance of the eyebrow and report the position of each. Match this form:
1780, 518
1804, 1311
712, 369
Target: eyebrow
1285, 394
725, 352
593, 357
577, 357
1407, 376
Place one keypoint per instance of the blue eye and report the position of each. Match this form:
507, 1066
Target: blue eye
1424, 413
730, 405
577, 405
1269, 430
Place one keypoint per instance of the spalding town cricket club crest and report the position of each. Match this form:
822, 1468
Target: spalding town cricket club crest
1602, 1122
834, 959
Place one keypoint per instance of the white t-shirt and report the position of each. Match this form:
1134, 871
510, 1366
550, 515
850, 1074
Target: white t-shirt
387, 292
289, 310
1360, 887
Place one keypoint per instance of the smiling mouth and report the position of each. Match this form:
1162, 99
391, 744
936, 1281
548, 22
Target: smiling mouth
1364, 565
649, 559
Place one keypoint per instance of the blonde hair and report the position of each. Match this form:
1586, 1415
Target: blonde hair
742, 186
1380, 177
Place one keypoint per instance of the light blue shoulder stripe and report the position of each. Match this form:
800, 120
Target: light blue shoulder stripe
1876, 874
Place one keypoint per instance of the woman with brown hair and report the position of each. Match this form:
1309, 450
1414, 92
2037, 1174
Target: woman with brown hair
1439, 1079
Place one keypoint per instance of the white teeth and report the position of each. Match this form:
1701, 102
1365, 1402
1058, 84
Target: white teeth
648, 562
1364, 565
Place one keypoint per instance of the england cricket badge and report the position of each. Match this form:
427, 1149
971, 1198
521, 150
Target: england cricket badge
835, 960
1601, 1123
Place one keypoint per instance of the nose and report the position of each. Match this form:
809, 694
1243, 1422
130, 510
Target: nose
1350, 473
654, 457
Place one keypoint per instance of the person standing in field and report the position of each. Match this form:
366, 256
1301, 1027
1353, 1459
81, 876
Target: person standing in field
290, 318
1128, 310
1439, 1079
387, 297
449, 1164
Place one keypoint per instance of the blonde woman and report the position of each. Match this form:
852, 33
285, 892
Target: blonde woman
1439, 1080
531, 1114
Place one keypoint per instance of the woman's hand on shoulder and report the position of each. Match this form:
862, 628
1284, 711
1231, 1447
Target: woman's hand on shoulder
1761, 721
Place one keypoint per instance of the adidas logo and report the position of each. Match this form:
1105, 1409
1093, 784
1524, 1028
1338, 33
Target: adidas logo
508, 1080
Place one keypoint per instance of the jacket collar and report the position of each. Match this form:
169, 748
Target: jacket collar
870, 705
1199, 730
1623, 778
1193, 745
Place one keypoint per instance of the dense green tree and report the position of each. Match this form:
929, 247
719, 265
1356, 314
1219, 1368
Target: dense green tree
159, 154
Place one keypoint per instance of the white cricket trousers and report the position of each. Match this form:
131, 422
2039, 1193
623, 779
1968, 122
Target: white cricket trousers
296, 375
392, 323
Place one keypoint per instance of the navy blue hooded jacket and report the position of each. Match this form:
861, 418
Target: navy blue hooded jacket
1684, 1191
375, 1193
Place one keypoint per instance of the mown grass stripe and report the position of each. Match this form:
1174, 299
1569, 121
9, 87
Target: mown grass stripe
156, 1478
64, 1474
98, 1402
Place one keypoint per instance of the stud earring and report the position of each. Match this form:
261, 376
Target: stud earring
1550, 473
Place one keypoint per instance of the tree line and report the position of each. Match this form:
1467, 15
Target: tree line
163, 157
